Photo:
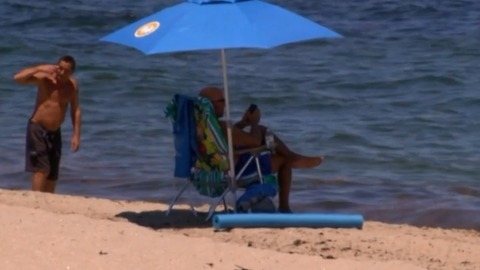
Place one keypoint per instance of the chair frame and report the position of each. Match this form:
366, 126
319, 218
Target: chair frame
232, 185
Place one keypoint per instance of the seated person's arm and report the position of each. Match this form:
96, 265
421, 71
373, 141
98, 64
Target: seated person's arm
250, 113
242, 139
241, 124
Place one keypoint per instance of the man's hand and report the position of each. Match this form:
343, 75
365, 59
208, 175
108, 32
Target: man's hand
48, 68
36, 73
53, 72
75, 144
252, 118
45, 75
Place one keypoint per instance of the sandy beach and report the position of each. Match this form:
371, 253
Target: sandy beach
46, 231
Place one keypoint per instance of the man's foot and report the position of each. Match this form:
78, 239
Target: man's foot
285, 211
304, 162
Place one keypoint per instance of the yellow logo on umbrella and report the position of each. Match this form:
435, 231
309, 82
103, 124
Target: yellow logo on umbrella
147, 29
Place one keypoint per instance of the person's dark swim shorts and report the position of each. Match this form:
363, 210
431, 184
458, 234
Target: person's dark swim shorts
43, 150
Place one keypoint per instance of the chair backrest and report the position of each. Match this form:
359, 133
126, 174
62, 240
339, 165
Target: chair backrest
212, 146
200, 147
209, 175
180, 111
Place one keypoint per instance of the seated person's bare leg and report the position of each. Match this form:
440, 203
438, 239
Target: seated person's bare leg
283, 168
298, 161
39, 180
50, 185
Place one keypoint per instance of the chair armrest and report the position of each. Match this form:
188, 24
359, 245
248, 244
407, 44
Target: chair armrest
253, 150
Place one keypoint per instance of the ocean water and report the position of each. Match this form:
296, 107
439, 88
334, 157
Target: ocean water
394, 106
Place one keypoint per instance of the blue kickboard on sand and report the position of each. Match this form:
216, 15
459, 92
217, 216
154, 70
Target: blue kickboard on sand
279, 220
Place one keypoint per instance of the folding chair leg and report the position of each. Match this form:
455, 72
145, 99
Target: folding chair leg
177, 197
214, 206
193, 210
225, 206
259, 170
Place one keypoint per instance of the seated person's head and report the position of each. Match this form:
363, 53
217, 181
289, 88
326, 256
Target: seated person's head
216, 97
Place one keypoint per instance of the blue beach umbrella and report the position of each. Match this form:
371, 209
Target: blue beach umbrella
218, 24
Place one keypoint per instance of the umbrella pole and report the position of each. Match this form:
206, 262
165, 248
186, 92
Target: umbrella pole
229, 125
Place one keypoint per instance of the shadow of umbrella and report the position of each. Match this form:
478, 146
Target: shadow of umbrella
178, 219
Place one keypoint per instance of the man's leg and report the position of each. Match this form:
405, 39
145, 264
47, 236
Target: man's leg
36, 158
50, 185
283, 168
298, 161
39, 180
54, 157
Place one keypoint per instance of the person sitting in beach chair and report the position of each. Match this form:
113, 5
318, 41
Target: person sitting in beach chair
201, 156
283, 160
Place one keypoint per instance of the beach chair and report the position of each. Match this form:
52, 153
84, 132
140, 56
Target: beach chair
201, 158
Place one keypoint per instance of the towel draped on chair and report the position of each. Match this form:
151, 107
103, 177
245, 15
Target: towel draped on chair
181, 113
200, 148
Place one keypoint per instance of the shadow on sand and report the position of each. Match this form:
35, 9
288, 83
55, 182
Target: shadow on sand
178, 219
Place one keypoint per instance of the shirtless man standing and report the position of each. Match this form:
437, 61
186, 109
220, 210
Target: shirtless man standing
56, 90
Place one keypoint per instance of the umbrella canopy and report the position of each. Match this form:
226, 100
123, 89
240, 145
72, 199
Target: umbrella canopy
209, 24
218, 24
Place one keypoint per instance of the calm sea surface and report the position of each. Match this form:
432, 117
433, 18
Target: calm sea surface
394, 106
